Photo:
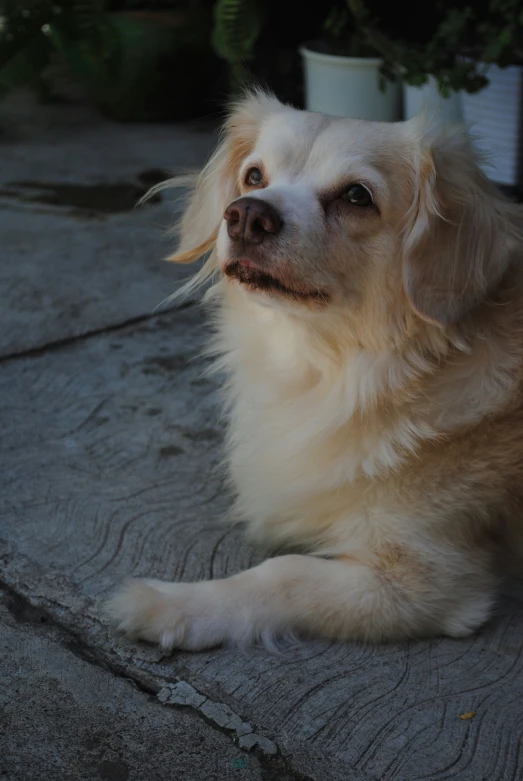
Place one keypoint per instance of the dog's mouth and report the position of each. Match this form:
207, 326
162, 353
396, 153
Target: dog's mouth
253, 278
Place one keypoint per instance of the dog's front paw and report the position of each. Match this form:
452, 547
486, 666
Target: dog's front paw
174, 615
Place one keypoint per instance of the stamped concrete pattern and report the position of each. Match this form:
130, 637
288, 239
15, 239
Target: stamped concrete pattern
110, 452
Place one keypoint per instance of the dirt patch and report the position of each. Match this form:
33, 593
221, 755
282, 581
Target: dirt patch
106, 198
159, 364
170, 450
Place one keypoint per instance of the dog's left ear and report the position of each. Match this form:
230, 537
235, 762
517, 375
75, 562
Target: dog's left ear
462, 232
217, 184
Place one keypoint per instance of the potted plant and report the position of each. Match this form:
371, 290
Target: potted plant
495, 113
423, 54
433, 74
465, 60
132, 61
343, 72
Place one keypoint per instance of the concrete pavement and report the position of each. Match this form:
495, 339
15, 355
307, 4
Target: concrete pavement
109, 445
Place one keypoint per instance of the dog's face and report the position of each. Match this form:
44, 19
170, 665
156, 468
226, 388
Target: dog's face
311, 212
319, 209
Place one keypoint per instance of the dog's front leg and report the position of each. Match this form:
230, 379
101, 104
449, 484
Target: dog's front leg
383, 598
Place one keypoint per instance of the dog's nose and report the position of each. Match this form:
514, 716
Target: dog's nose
251, 220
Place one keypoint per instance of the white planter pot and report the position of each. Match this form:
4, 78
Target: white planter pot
416, 99
348, 87
495, 121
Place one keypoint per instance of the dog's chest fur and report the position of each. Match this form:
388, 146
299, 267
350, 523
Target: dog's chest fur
316, 441
307, 432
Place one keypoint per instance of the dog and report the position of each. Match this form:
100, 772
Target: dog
369, 318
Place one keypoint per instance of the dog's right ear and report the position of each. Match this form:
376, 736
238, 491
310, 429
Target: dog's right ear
217, 184
463, 234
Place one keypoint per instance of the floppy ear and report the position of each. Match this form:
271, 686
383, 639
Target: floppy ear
217, 184
462, 232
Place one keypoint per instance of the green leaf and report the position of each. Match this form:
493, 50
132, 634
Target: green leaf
237, 25
337, 21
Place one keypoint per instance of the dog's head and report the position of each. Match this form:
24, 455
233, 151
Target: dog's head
312, 212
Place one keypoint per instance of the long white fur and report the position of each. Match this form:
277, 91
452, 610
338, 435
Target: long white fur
328, 408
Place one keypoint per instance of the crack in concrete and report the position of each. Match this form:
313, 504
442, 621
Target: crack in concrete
78, 338
182, 693
219, 716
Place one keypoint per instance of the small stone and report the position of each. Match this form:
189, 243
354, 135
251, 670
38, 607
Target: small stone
222, 715
249, 741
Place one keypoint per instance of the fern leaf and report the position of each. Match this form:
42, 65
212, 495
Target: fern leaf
237, 25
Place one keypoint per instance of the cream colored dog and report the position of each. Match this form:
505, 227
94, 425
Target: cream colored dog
369, 315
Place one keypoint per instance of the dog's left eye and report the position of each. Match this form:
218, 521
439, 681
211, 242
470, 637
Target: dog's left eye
357, 195
253, 177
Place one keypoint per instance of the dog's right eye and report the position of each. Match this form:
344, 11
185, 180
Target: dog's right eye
253, 177
357, 195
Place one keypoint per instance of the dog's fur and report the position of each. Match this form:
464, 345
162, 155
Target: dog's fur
376, 415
